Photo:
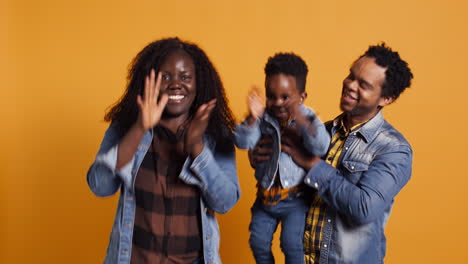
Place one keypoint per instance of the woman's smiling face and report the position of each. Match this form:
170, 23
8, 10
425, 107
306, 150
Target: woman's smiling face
178, 82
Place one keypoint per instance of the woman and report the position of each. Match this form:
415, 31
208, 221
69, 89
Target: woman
169, 150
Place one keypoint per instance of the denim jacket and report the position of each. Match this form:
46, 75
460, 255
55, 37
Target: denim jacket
374, 166
246, 137
212, 171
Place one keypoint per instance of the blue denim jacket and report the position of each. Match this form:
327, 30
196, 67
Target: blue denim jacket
246, 137
213, 172
374, 166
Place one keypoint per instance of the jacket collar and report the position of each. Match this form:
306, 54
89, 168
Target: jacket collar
368, 130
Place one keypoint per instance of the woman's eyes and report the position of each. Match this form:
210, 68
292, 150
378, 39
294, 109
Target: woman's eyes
186, 77
167, 77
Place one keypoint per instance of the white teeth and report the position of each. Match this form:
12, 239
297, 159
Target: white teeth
352, 97
176, 97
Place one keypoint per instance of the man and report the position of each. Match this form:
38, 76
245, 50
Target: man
367, 164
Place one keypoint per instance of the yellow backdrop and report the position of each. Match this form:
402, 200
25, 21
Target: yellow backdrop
62, 63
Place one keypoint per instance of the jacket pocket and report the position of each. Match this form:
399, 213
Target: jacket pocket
354, 169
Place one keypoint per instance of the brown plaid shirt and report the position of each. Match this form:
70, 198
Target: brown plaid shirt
167, 225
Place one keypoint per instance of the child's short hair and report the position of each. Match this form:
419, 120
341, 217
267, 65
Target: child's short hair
289, 64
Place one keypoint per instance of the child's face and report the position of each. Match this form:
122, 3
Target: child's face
282, 96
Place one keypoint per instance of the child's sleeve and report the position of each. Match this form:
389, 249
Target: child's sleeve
315, 136
246, 136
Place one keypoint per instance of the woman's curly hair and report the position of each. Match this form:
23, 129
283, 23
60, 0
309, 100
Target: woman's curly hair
208, 83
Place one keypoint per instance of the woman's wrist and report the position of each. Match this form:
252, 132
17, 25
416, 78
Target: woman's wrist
196, 149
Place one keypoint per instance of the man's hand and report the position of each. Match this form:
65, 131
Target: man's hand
291, 143
262, 151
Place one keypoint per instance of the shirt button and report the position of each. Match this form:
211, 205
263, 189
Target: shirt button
354, 133
286, 183
329, 220
352, 167
316, 185
308, 181
346, 148
325, 245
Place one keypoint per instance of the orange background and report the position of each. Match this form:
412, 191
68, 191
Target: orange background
62, 63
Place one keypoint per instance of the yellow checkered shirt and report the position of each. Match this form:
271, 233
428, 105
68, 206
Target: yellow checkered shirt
315, 221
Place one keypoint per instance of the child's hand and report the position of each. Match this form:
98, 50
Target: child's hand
295, 112
256, 104
302, 120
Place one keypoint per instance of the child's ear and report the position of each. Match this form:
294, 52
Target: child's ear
303, 97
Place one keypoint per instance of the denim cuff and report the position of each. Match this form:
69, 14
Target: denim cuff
192, 167
109, 159
319, 176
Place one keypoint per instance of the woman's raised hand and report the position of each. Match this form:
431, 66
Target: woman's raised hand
197, 127
150, 108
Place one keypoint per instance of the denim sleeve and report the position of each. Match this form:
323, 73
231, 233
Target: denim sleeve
103, 177
315, 137
216, 176
245, 136
366, 200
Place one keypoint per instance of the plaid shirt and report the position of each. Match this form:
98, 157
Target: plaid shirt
315, 220
276, 193
167, 224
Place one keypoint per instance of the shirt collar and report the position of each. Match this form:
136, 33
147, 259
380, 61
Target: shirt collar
367, 129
